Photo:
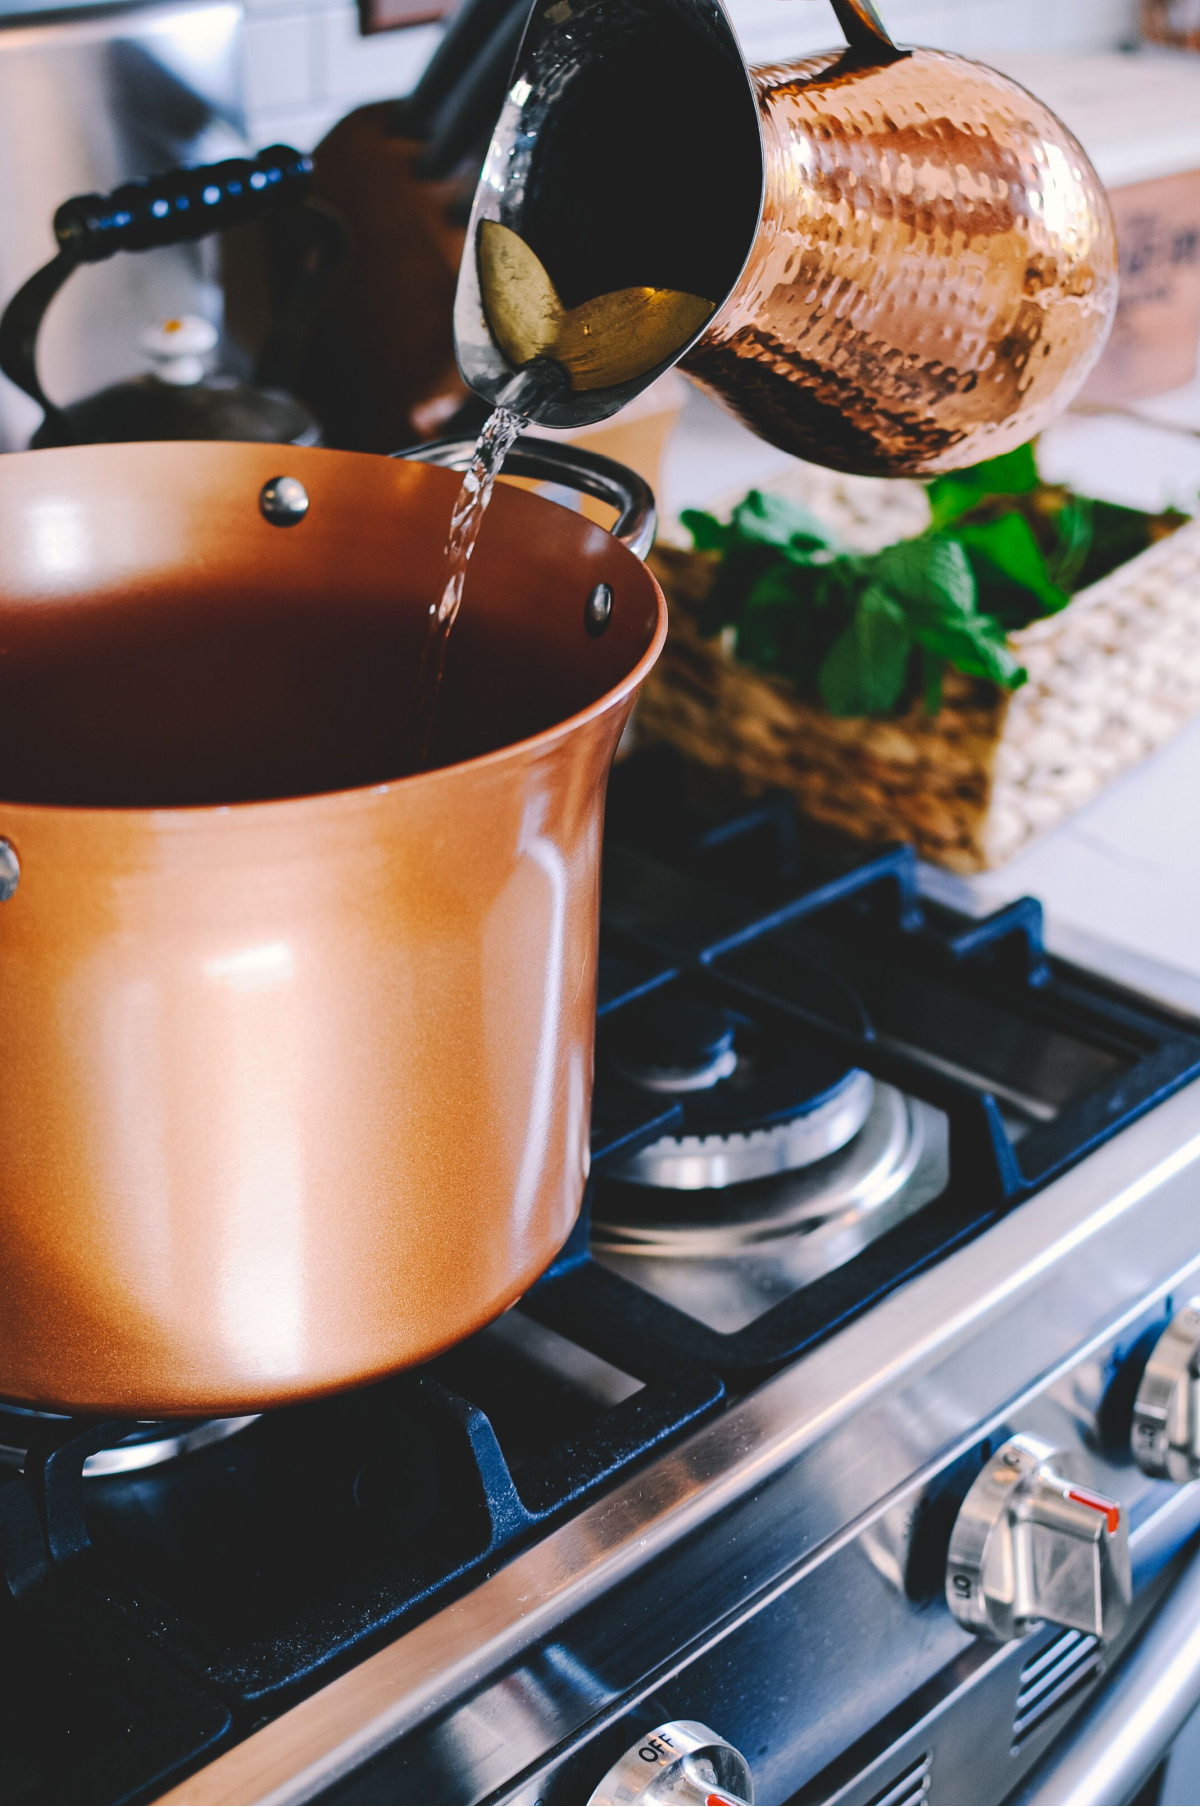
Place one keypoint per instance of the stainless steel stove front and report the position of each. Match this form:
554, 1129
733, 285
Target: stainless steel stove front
771, 1576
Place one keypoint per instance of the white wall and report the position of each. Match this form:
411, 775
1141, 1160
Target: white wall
306, 64
784, 27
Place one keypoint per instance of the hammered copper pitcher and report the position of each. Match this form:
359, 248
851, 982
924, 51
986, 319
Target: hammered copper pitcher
888, 261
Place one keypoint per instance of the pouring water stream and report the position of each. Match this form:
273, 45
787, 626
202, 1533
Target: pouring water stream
500, 433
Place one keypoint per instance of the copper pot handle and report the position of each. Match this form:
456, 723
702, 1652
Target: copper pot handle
552, 461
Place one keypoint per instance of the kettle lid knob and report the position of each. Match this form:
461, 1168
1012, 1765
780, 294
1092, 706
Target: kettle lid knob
179, 347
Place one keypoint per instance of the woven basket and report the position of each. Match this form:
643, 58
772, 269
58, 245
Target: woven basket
1111, 678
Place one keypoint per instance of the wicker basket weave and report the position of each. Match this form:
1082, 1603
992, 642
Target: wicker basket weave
1111, 678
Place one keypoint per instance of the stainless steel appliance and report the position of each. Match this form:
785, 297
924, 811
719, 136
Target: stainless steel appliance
87, 103
850, 1458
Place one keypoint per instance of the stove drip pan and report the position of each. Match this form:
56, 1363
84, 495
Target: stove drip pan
149, 1446
727, 1254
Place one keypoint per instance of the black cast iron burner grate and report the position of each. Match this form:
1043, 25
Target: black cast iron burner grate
1033, 1063
178, 1606
237, 1579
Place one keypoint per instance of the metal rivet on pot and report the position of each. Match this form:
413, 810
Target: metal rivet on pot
597, 611
10, 870
283, 501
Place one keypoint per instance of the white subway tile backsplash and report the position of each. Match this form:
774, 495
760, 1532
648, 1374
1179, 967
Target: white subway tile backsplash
358, 69
307, 63
1088, 25
769, 29
301, 127
990, 25
772, 28
308, 67
279, 64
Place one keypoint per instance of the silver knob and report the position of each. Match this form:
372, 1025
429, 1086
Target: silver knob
283, 501
679, 1762
1166, 1412
1032, 1544
10, 870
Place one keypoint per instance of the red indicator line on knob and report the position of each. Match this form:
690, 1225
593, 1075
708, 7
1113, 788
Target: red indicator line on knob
717, 1800
1112, 1513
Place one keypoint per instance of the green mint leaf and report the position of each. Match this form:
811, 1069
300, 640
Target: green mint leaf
844, 626
865, 670
931, 577
1008, 544
783, 625
773, 589
708, 534
1118, 534
975, 644
1075, 526
739, 570
1012, 474
949, 499
767, 520
933, 672
933, 581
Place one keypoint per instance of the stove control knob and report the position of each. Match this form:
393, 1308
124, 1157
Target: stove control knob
679, 1762
1166, 1412
1030, 1544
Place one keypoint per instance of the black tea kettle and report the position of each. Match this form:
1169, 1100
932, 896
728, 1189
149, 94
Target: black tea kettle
178, 400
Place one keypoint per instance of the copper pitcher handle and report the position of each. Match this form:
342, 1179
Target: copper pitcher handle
865, 30
552, 461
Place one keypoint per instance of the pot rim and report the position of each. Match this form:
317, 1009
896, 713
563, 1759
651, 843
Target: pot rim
516, 749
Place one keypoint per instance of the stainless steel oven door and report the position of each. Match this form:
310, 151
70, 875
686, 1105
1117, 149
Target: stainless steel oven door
1131, 1723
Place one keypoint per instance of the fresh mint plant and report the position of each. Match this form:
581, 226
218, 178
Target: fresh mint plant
863, 631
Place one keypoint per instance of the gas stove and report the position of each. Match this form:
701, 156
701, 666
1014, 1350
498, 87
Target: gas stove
888, 1246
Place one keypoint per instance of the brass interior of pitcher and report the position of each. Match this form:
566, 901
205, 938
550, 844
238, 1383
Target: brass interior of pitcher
614, 338
636, 222
648, 170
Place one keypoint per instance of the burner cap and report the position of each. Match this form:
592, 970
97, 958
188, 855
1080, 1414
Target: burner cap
861, 1186
681, 1046
755, 1100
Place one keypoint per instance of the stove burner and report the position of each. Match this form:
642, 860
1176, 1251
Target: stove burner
148, 1447
754, 1104
681, 1046
726, 1257
635, 1219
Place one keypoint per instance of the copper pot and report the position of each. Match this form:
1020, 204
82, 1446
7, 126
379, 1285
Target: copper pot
888, 261
297, 1057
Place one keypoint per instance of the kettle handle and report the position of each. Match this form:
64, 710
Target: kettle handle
556, 461
169, 209
181, 204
